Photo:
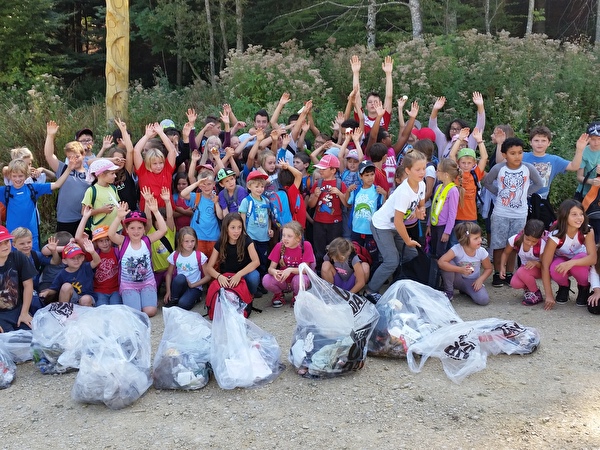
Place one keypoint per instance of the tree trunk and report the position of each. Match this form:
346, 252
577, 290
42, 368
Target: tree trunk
450, 19
239, 15
597, 38
486, 13
223, 26
416, 18
117, 59
539, 26
211, 44
529, 27
180, 49
371, 24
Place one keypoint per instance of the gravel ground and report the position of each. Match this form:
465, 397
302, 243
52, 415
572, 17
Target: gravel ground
549, 399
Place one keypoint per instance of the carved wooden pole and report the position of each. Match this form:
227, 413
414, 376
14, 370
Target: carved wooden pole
117, 58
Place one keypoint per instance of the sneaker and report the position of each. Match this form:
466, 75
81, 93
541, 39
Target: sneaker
373, 297
261, 289
293, 301
497, 281
277, 301
562, 295
450, 295
583, 292
539, 295
531, 298
507, 278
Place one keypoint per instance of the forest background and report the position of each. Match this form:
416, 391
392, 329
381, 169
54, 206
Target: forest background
534, 61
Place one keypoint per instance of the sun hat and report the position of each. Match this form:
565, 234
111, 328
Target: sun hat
71, 250
100, 232
328, 161
224, 173
135, 215
102, 165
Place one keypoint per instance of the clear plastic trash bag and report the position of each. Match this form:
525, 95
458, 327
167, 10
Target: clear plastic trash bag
49, 327
182, 360
18, 344
408, 311
242, 354
464, 347
333, 327
8, 369
114, 350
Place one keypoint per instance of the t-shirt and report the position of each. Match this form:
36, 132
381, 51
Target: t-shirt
468, 210
343, 268
105, 195
297, 204
204, 221
82, 280
127, 189
383, 123
136, 268
530, 255
389, 166
21, 211
16, 269
461, 259
513, 186
430, 172
292, 257
381, 179
106, 275
589, 160
155, 181
181, 221
160, 252
403, 199
68, 207
351, 178
188, 266
570, 247
257, 218
232, 202
329, 206
366, 201
231, 264
548, 166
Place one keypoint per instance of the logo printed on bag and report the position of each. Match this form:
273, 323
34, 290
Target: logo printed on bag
356, 302
61, 311
461, 349
356, 354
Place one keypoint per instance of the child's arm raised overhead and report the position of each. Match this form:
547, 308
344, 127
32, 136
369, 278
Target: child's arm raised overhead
297, 174
171, 150
86, 213
483, 155
355, 65
229, 158
376, 124
61, 180
51, 159
388, 66
161, 226
260, 135
148, 195
582, 142
283, 100
462, 135
440, 137
480, 124
192, 169
350, 103
405, 131
128, 144
356, 135
88, 246
122, 211
138, 160
165, 194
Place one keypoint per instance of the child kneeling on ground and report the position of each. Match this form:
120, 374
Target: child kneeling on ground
343, 268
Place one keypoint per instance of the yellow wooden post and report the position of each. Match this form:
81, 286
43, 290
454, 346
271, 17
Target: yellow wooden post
117, 58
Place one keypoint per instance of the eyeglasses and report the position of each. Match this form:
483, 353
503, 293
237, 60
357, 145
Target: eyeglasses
455, 129
86, 141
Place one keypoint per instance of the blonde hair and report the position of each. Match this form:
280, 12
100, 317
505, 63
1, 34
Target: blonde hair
20, 153
21, 232
450, 167
262, 157
74, 147
258, 181
213, 141
18, 166
339, 249
411, 157
150, 154
295, 227
206, 176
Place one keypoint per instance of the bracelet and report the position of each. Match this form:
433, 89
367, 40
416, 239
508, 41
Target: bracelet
480, 142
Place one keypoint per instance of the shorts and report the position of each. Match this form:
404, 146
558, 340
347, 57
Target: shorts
503, 228
75, 297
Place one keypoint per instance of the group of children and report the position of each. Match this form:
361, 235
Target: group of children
187, 208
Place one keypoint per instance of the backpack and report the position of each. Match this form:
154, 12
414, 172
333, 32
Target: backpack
478, 198
126, 243
273, 215
91, 222
231, 199
541, 209
537, 247
580, 237
198, 258
281, 203
362, 253
241, 291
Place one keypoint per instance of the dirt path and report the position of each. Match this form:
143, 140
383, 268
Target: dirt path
550, 399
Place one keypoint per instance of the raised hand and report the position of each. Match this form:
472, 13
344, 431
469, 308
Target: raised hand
355, 63
439, 103
387, 65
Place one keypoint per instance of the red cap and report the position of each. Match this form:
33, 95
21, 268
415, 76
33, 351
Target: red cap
256, 174
424, 133
4, 234
328, 161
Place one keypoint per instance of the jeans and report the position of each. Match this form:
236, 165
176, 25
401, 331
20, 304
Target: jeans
185, 296
109, 299
393, 251
252, 281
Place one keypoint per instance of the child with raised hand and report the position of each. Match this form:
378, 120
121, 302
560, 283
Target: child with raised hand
570, 251
207, 210
122, 157
446, 200
231, 194
102, 195
287, 255
182, 213
343, 268
402, 210
291, 179
461, 265
35, 175
20, 199
137, 283
153, 169
444, 140
234, 254
186, 273
106, 275
529, 244
75, 283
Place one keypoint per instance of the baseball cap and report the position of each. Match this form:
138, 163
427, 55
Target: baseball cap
328, 161
168, 126
205, 166
245, 136
135, 215
335, 151
4, 234
352, 154
84, 131
71, 250
466, 152
424, 133
364, 165
102, 165
256, 174
593, 129
224, 173
100, 232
